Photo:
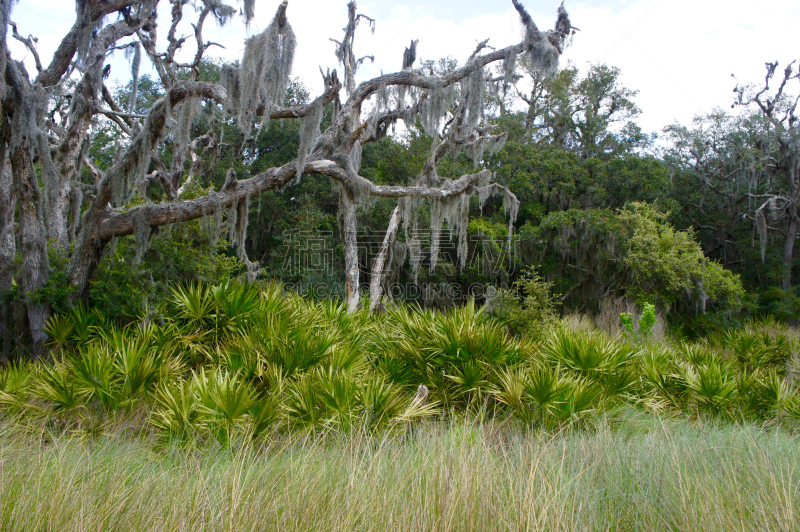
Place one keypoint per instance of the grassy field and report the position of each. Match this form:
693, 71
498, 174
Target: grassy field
243, 408
641, 473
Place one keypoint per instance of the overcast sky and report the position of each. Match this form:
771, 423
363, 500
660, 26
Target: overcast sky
679, 54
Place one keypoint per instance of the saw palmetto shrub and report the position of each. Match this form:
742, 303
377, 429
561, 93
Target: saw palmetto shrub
235, 362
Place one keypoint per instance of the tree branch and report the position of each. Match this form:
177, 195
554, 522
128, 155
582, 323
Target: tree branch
28, 42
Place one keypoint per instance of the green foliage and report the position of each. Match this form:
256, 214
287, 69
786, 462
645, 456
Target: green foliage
578, 113
626, 319
667, 263
123, 289
453, 354
647, 322
57, 290
528, 308
637, 252
232, 362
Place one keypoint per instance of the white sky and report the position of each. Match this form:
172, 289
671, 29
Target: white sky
679, 54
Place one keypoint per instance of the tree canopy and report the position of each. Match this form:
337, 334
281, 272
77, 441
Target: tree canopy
442, 177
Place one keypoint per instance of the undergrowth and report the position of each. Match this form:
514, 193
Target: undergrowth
233, 362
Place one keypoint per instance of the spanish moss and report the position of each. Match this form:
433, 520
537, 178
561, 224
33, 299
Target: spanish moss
308, 138
265, 70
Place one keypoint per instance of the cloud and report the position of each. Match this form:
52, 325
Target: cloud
680, 54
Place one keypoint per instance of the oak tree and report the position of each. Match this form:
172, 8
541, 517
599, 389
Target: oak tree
52, 192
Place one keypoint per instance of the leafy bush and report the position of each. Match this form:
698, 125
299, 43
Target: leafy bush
646, 323
635, 252
124, 289
232, 362
528, 308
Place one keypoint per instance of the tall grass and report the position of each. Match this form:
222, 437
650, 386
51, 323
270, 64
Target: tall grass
642, 473
235, 407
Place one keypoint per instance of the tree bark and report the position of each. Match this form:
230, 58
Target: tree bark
347, 208
379, 267
788, 252
33, 240
8, 250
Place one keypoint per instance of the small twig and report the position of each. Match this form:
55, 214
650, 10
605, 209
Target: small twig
123, 115
481, 45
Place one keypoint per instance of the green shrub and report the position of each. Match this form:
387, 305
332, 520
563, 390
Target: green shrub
233, 361
647, 322
528, 308
124, 290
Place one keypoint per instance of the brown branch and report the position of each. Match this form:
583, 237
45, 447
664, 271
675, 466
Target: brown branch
62, 58
299, 111
97, 174
148, 43
122, 122
455, 188
154, 127
28, 42
413, 78
158, 214
344, 49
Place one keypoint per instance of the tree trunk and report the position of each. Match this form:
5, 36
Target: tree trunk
57, 215
379, 268
348, 221
8, 250
788, 252
791, 165
83, 265
33, 240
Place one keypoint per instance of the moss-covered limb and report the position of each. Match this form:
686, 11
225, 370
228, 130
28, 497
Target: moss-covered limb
429, 178
63, 170
412, 78
208, 140
173, 177
181, 139
121, 179
300, 111
544, 48
406, 78
64, 54
28, 42
264, 73
378, 126
110, 224
448, 190
344, 49
175, 43
137, 156
124, 122
148, 40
